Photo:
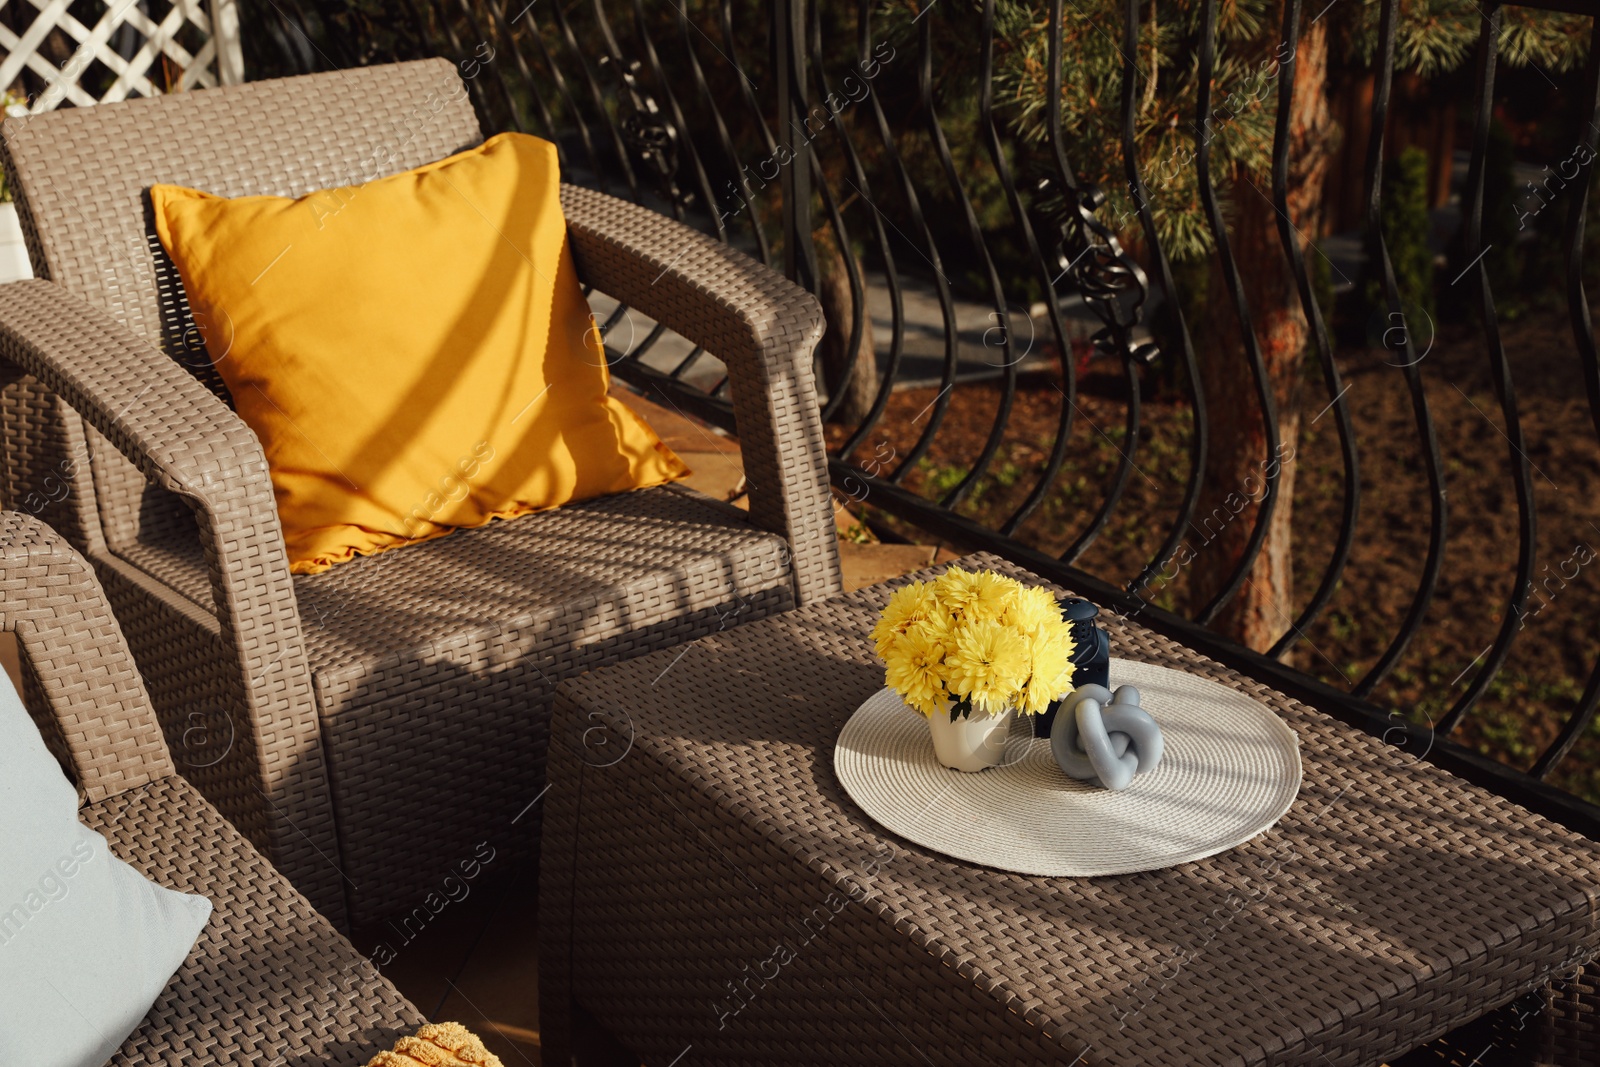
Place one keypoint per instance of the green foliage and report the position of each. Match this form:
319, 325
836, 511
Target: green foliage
938, 478
857, 534
8, 100
1405, 232
1436, 36
1168, 132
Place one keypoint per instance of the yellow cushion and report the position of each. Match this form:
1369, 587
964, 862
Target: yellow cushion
415, 353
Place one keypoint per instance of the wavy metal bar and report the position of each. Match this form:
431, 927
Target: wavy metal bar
651, 140
655, 141
688, 362
1247, 332
1069, 370
1200, 436
941, 402
597, 95
497, 69
789, 64
453, 42
559, 80
1114, 289
746, 86
304, 48
1522, 477
1583, 334
747, 92
724, 138
611, 320
941, 149
837, 391
680, 127
880, 403
297, 43
508, 42
1408, 360
656, 333
1319, 336
858, 291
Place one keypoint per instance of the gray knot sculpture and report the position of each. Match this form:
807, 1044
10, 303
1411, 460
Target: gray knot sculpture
1105, 739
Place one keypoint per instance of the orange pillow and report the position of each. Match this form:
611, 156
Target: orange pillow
414, 353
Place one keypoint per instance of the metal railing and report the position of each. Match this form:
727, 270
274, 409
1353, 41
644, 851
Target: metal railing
880, 150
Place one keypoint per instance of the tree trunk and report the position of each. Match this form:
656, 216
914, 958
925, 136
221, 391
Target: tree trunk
1238, 461
855, 373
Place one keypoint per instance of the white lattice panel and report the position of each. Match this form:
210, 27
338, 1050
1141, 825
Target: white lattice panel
216, 61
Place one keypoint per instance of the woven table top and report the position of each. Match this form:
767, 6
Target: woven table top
1392, 902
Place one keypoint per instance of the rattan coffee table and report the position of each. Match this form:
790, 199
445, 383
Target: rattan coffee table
711, 894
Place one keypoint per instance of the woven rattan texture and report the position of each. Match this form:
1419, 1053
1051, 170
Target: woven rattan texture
202, 584
149, 409
78, 664
1570, 1034
45, 468
761, 325
1390, 904
269, 981
81, 177
435, 666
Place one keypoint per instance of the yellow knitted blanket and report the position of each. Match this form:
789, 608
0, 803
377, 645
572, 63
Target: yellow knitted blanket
438, 1045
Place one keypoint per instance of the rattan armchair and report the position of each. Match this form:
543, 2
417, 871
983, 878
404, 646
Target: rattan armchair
269, 981
368, 726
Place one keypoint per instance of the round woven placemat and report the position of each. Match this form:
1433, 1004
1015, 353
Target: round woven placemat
1231, 769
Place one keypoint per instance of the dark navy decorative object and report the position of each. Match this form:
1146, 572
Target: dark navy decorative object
1091, 655
1105, 739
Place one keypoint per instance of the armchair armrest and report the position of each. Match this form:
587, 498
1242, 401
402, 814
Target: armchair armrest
185, 439
761, 325
52, 600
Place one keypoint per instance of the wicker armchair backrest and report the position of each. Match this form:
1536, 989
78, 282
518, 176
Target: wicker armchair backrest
82, 177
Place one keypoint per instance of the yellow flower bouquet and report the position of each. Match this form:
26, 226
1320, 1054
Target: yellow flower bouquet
975, 641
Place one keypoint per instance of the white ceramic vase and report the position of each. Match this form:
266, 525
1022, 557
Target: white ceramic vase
970, 744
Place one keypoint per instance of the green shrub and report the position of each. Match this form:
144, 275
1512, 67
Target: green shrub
1405, 232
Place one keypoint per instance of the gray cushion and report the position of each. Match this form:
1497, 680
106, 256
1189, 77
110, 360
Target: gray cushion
86, 943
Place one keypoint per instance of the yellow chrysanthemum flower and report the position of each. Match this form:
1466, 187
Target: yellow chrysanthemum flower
955, 590
988, 662
915, 667
990, 597
909, 606
1033, 609
1050, 661
978, 635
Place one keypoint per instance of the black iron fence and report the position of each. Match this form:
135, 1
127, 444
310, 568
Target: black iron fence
1216, 313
